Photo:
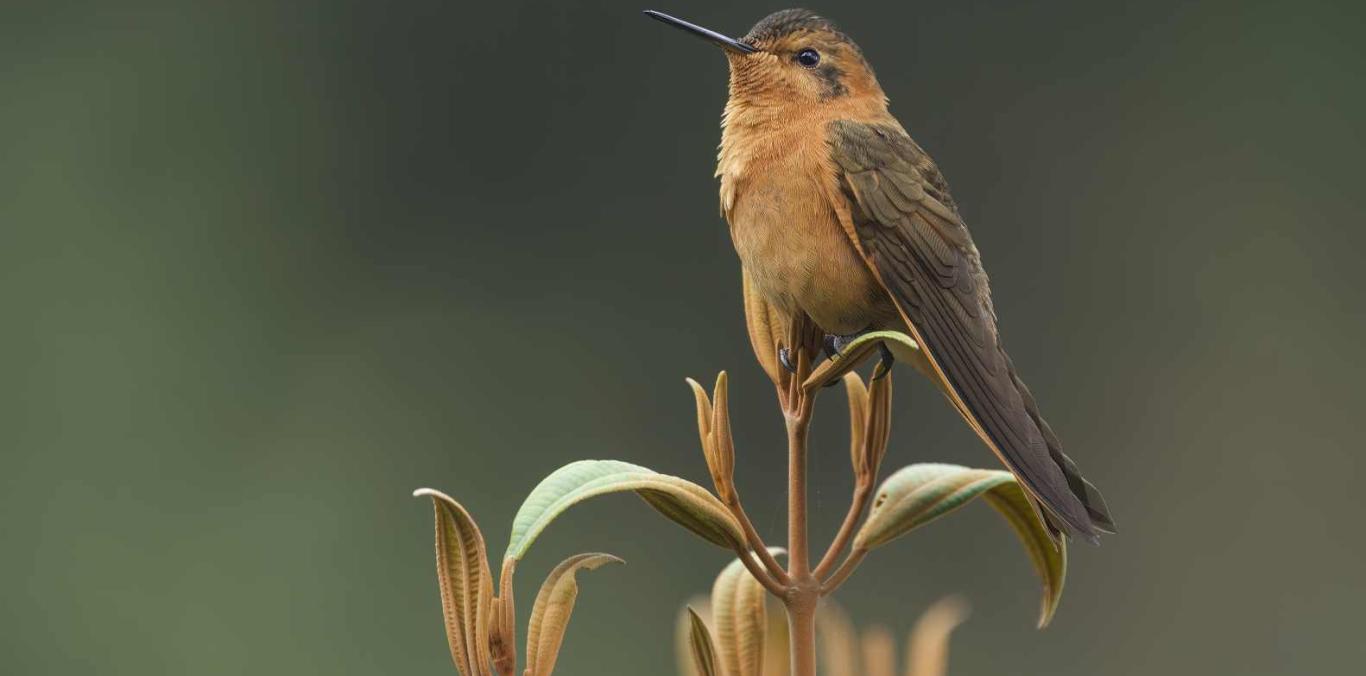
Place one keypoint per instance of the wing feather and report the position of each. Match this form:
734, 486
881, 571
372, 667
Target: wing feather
909, 231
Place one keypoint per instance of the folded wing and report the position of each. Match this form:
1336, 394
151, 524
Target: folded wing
911, 235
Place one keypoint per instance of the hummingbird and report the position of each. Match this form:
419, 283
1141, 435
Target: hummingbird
838, 215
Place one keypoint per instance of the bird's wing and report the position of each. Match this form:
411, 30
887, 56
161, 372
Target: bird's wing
903, 221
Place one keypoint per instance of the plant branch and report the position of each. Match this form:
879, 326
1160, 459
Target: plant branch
804, 589
756, 542
862, 492
799, 559
843, 572
760, 574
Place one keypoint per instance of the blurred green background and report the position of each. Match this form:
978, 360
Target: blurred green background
269, 267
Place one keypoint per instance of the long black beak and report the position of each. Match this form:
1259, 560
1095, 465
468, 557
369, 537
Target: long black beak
705, 33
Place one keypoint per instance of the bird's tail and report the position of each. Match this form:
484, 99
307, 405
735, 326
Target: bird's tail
1085, 491
1097, 513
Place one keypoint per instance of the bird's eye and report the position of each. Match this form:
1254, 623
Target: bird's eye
808, 58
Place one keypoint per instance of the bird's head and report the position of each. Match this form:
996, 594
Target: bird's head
792, 58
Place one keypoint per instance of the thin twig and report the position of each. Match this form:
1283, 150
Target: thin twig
756, 542
804, 590
761, 575
798, 551
862, 492
843, 572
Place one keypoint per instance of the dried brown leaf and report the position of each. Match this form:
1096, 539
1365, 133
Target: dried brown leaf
858, 420
737, 605
503, 629
703, 651
550, 614
699, 607
462, 571
703, 413
879, 428
721, 449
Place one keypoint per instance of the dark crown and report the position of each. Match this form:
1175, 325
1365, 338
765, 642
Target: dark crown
787, 21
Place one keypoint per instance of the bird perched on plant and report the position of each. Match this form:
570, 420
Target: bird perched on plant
839, 216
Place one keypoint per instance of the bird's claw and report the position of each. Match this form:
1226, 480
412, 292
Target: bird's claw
785, 358
835, 343
884, 363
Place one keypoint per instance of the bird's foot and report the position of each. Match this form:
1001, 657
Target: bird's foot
884, 363
835, 344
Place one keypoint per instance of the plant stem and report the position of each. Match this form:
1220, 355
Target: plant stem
797, 548
804, 589
801, 627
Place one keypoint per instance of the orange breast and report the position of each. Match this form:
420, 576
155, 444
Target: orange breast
775, 194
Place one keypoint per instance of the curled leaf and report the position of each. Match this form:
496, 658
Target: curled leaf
699, 607
854, 354
870, 412
713, 426
1049, 556
701, 649
929, 642
682, 501
703, 412
462, 571
879, 429
738, 612
721, 458
921, 493
550, 613
858, 420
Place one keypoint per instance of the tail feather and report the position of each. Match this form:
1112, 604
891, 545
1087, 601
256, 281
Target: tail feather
1085, 491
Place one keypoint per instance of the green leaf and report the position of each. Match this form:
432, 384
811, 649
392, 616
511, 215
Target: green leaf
853, 354
550, 614
919, 494
682, 501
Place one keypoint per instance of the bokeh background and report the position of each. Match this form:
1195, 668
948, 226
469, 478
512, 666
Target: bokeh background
268, 267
